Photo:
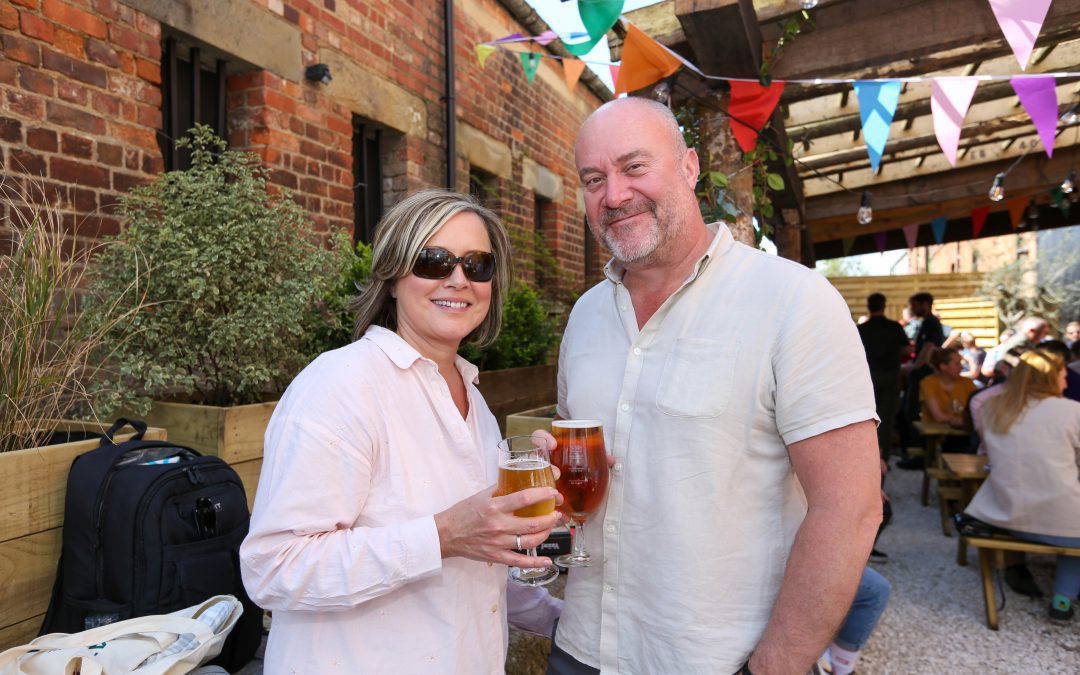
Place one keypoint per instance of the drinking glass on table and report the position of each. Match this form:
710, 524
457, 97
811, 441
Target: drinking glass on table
579, 454
525, 462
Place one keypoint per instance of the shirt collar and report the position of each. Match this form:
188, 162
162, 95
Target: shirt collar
721, 242
404, 355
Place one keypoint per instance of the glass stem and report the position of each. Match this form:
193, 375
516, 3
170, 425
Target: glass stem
577, 539
532, 554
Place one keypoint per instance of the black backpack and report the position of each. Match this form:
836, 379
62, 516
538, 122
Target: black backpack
151, 527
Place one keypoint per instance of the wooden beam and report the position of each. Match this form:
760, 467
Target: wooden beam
659, 22
843, 42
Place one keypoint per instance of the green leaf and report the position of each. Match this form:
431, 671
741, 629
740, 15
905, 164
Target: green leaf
718, 178
775, 181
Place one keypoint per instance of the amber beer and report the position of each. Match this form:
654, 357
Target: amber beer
516, 475
581, 459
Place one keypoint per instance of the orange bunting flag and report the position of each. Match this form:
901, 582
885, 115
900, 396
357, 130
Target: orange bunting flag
751, 107
644, 61
572, 69
1016, 210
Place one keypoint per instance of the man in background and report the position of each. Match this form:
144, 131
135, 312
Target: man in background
885, 342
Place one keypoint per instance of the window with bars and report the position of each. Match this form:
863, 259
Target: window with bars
367, 179
541, 210
193, 91
485, 187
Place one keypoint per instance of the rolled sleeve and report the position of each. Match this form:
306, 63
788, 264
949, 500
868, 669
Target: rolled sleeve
821, 376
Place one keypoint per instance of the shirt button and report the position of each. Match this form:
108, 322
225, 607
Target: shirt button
617, 467
625, 407
494, 609
609, 588
637, 351
610, 529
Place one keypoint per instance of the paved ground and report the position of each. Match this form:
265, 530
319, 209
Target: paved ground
934, 622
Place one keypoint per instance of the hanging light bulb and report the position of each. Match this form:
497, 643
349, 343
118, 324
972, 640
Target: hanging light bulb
866, 214
1032, 213
1071, 117
997, 190
1069, 184
809, 4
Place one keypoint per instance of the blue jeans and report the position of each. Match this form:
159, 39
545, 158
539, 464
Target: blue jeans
870, 601
1067, 575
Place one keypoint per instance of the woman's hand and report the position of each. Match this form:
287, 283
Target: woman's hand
485, 528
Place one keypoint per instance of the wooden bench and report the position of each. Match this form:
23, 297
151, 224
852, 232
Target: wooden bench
995, 547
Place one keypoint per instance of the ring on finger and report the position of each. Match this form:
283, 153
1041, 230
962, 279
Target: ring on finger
517, 542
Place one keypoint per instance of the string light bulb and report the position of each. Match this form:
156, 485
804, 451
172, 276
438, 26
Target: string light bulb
997, 190
1069, 184
1071, 116
809, 4
866, 214
1032, 212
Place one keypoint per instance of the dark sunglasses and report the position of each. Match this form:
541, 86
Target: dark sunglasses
438, 263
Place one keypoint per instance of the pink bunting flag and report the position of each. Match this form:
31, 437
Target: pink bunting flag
911, 235
614, 69
1020, 22
949, 101
513, 37
978, 219
880, 239
1039, 97
546, 37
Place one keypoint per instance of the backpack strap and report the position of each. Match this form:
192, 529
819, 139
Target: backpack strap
138, 425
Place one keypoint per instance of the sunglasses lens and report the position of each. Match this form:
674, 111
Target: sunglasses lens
433, 263
479, 266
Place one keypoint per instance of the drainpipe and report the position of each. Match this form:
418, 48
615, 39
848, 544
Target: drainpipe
451, 109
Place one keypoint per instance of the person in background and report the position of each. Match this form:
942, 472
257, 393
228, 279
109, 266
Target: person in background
972, 356
944, 394
884, 342
1072, 333
910, 322
1073, 390
1072, 376
1029, 333
930, 330
842, 654
1032, 437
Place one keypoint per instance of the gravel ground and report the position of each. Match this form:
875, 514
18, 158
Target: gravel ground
935, 622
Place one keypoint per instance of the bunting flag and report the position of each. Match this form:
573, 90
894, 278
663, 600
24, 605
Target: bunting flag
750, 107
546, 37
937, 225
530, 61
513, 37
877, 104
644, 61
1016, 210
949, 101
911, 235
572, 69
978, 219
1039, 98
483, 52
614, 69
880, 239
847, 243
598, 16
1020, 22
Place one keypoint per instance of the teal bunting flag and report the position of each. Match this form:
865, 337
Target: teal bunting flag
598, 16
877, 104
530, 61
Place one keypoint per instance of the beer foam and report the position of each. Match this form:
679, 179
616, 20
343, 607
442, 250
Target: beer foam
576, 424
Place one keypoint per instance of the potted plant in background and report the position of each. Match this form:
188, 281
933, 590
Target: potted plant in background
239, 281
48, 343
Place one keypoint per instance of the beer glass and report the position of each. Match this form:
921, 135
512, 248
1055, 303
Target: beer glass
525, 463
579, 454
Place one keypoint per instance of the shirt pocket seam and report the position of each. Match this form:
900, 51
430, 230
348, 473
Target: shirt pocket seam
689, 362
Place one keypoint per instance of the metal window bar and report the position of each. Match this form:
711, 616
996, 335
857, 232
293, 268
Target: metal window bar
367, 177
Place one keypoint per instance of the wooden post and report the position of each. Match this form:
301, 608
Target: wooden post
720, 152
788, 235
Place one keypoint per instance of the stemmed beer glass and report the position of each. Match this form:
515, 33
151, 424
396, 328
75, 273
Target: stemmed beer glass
579, 454
524, 462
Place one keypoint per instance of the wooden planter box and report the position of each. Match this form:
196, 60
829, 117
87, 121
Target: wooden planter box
528, 421
233, 433
31, 514
512, 389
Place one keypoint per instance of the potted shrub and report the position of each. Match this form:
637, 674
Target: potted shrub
238, 280
47, 347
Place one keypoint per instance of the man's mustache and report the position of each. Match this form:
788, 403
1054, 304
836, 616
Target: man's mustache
609, 216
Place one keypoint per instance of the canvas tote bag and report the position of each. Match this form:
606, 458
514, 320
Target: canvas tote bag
163, 644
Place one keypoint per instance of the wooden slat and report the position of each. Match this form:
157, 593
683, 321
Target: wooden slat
27, 570
35, 480
249, 475
1015, 545
20, 633
234, 433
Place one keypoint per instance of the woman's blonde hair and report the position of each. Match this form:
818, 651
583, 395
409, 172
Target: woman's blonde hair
1034, 377
400, 236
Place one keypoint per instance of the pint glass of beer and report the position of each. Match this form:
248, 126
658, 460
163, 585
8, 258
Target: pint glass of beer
525, 463
579, 454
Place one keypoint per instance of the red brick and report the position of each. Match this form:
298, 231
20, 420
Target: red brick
147, 26
25, 161
75, 18
106, 104
148, 70
77, 119
110, 154
107, 8
72, 92
34, 26
127, 62
133, 41
76, 146
79, 173
36, 81
8, 74
134, 135
79, 70
41, 139
291, 14
20, 49
25, 104
10, 130
102, 53
125, 182
32, 4
150, 117
152, 164
9, 17
84, 200
72, 44
131, 158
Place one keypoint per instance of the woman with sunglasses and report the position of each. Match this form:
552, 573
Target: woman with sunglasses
374, 537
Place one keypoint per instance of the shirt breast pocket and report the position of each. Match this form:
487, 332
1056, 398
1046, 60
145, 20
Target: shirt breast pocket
697, 378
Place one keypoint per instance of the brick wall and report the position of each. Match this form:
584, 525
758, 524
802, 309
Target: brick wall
979, 255
81, 104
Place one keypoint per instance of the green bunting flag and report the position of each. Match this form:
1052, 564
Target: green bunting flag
530, 61
847, 243
598, 16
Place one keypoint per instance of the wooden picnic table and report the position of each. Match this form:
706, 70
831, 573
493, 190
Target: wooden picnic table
934, 433
970, 471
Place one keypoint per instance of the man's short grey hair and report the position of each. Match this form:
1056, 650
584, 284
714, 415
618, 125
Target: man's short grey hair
662, 112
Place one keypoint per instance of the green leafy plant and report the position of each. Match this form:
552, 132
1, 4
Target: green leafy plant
47, 338
1028, 287
336, 325
237, 283
529, 333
